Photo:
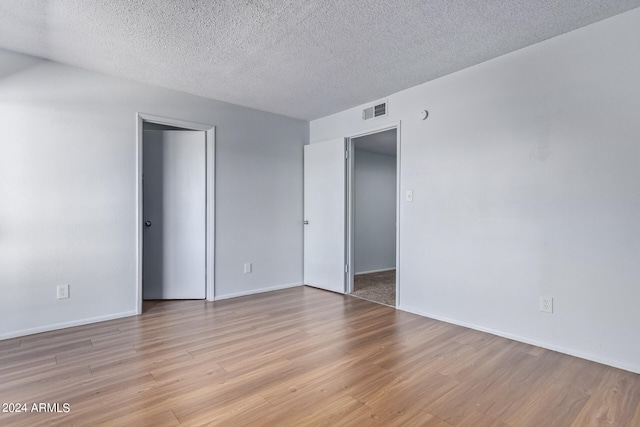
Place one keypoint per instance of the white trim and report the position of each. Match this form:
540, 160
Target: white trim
259, 291
211, 217
139, 218
587, 356
210, 221
400, 200
374, 271
63, 325
350, 200
349, 217
375, 129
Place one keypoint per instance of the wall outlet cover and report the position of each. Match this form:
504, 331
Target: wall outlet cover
62, 292
546, 304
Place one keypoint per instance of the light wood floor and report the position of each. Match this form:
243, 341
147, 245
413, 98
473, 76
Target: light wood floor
303, 357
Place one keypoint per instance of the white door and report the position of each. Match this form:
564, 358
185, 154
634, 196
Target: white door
325, 215
174, 209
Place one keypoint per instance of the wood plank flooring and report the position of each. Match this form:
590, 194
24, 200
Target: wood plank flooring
302, 357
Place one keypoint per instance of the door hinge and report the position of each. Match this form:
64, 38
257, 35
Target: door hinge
346, 268
346, 154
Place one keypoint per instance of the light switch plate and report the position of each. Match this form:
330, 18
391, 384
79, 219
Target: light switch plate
409, 196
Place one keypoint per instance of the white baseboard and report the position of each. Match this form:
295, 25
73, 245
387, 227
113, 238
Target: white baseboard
605, 361
63, 325
257, 291
374, 271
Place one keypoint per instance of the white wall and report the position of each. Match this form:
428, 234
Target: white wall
67, 192
526, 180
374, 211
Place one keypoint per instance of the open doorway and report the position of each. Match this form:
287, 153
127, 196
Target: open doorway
373, 210
175, 209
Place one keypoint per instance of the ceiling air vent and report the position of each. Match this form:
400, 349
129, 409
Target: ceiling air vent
377, 110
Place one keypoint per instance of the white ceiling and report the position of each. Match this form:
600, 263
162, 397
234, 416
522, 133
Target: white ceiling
303, 59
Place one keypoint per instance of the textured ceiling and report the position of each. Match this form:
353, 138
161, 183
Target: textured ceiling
303, 59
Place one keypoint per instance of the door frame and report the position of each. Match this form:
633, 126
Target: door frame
350, 237
209, 131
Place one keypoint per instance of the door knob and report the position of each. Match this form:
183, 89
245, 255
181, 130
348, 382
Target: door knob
306, 222
147, 223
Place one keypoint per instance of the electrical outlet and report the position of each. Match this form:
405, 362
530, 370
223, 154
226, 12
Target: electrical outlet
63, 291
546, 304
247, 267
